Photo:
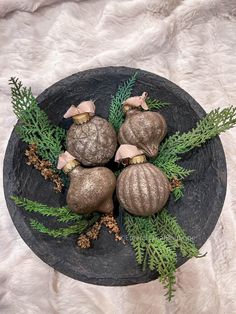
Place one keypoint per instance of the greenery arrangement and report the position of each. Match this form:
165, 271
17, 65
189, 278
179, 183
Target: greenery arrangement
62, 214
116, 115
156, 239
34, 126
214, 123
151, 250
155, 104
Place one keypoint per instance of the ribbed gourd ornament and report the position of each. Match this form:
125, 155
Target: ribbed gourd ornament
142, 188
144, 129
91, 189
91, 139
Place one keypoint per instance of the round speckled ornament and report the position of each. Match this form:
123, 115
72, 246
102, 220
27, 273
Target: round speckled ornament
142, 189
144, 129
91, 139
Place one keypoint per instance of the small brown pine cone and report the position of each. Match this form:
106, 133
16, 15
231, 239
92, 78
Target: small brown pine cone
83, 242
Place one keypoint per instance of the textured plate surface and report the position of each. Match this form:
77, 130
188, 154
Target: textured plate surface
111, 263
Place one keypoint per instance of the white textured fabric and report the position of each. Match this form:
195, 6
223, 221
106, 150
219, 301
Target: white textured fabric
190, 42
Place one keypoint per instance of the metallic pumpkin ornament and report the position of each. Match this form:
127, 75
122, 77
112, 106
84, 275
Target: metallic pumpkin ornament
91, 139
142, 188
91, 189
144, 129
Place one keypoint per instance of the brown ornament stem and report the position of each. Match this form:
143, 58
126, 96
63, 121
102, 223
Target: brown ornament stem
85, 240
140, 159
81, 118
44, 166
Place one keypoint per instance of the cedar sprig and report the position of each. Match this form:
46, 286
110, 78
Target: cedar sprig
168, 228
151, 250
174, 172
214, 123
171, 168
116, 114
177, 188
34, 126
155, 104
156, 240
77, 228
59, 232
178, 192
62, 214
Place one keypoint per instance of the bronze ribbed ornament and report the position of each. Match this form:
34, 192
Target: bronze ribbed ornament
142, 189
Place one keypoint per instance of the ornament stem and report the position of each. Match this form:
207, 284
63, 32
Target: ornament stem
81, 118
72, 164
140, 159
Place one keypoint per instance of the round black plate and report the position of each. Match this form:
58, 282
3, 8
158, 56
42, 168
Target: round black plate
108, 262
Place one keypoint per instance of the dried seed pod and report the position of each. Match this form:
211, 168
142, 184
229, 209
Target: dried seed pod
144, 129
91, 139
91, 189
142, 189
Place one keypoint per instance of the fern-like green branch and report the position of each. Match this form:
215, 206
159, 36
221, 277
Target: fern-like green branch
34, 126
168, 229
178, 192
214, 123
62, 214
116, 114
155, 241
151, 250
60, 232
155, 104
77, 228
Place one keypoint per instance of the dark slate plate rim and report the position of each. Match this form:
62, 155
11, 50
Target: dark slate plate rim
23, 228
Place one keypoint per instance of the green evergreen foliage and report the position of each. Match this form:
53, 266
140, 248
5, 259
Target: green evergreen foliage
34, 126
214, 123
178, 192
116, 114
62, 214
60, 232
155, 104
168, 228
151, 250
155, 241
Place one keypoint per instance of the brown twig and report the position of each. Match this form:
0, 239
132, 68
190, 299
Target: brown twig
175, 183
44, 166
108, 220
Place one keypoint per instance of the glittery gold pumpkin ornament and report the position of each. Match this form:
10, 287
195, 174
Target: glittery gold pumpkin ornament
142, 189
91, 139
90, 189
144, 129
